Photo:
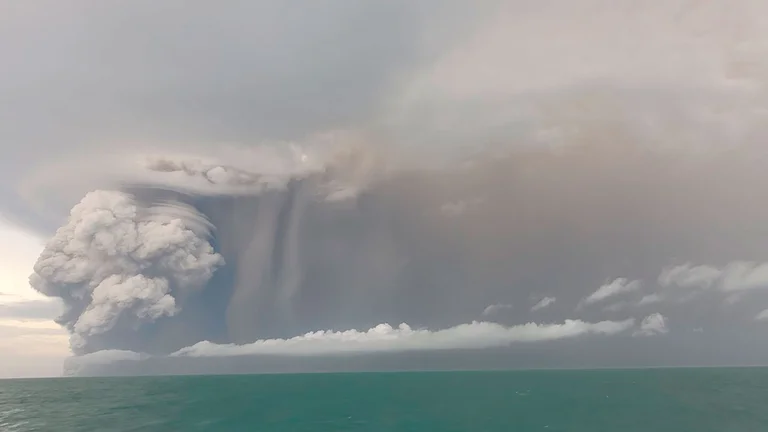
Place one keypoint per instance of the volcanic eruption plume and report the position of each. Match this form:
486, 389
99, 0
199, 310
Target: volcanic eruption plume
524, 173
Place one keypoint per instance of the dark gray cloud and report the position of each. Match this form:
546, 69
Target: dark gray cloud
88, 76
195, 71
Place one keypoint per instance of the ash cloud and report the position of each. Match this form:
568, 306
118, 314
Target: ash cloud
562, 170
111, 263
289, 258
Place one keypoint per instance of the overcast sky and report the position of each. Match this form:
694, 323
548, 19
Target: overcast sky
650, 223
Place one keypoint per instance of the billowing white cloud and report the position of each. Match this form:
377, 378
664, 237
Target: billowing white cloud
496, 308
115, 259
651, 325
616, 287
385, 338
148, 297
546, 301
649, 299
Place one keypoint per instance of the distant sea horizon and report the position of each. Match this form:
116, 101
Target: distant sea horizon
375, 371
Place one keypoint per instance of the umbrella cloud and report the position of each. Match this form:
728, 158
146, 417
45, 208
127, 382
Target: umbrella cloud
235, 249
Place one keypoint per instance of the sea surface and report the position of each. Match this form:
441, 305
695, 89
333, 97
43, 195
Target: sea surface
696, 400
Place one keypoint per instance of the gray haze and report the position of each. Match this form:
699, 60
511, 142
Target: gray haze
259, 171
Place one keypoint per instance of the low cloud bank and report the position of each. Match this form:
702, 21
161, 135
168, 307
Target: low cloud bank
385, 338
381, 339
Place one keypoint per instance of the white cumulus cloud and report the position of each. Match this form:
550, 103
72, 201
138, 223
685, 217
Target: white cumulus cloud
616, 287
546, 301
651, 325
385, 338
496, 308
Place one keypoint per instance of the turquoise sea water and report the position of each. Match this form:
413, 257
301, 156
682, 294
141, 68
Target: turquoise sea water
660, 400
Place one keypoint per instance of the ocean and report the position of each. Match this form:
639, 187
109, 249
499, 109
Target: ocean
674, 400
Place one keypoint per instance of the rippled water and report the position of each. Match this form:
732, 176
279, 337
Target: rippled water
609, 400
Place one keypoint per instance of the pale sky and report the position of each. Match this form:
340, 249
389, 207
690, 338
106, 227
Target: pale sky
30, 342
